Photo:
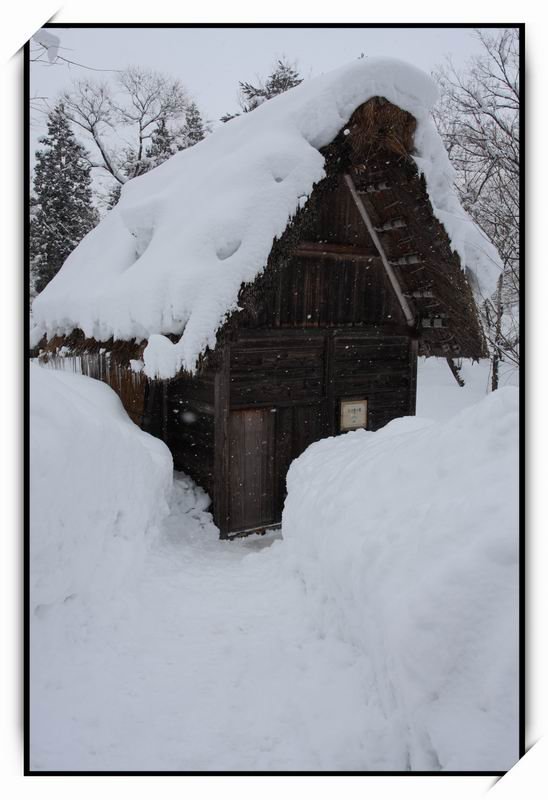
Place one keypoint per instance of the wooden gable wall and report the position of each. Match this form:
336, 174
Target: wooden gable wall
322, 324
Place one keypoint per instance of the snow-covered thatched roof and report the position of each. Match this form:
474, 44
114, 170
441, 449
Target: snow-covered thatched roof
171, 257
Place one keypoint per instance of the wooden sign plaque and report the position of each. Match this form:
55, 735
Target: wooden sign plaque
353, 414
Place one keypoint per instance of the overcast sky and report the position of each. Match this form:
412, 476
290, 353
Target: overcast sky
211, 61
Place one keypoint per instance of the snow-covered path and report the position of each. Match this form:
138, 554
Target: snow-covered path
213, 666
337, 649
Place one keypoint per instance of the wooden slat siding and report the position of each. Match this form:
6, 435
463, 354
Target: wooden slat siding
129, 386
221, 468
424, 236
192, 443
276, 371
309, 425
152, 416
322, 293
359, 360
376, 369
267, 391
337, 220
199, 391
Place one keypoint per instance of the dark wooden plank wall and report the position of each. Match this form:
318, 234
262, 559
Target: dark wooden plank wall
322, 367
296, 427
378, 369
324, 291
277, 370
289, 389
182, 414
337, 220
333, 277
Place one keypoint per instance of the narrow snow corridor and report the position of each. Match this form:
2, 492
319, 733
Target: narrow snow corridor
212, 666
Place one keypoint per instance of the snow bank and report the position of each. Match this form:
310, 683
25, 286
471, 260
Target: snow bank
98, 486
171, 256
407, 541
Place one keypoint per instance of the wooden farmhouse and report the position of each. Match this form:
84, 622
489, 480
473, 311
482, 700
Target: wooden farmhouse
323, 340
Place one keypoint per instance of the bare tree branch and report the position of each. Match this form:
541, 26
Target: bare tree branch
478, 118
129, 114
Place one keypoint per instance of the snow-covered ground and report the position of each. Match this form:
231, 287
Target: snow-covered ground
218, 655
210, 665
406, 540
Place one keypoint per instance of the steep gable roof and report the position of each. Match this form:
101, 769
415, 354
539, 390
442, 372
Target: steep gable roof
170, 259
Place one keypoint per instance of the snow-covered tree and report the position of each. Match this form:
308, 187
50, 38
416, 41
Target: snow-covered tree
120, 124
478, 118
62, 207
284, 76
162, 145
194, 129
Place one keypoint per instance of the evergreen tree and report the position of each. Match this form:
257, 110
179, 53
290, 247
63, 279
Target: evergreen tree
283, 77
193, 130
162, 145
114, 196
62, 209
227, 117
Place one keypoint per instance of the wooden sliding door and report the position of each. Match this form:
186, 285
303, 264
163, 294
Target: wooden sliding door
251, 468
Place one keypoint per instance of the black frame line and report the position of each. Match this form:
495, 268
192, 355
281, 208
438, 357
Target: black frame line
522, 691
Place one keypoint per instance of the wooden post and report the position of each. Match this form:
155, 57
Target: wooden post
164, 412
405, 307
222, 455
413, 355
329, 383
496, 345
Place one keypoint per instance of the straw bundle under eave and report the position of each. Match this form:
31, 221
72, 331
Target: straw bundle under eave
380, 125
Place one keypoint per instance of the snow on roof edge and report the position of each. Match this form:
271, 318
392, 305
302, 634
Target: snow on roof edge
170, 258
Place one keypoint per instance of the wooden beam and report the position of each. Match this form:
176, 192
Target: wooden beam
434, 322
426, 293
412, 258
413, 354
405, 307
455, 371
392, 224
334, 250
380, 186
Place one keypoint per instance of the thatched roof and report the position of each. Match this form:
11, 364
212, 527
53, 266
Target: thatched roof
174, 258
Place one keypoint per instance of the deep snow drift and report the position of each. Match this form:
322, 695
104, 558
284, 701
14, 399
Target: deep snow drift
407, 542
171, 256
379, 635
99, 488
